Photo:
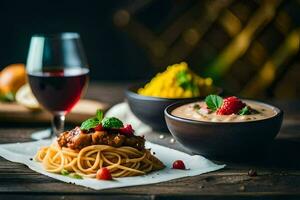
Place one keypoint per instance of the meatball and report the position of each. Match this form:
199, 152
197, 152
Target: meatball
77, 139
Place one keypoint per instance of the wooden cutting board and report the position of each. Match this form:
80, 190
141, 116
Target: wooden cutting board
14, 112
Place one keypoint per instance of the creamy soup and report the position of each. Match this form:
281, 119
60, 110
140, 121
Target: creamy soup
188, 111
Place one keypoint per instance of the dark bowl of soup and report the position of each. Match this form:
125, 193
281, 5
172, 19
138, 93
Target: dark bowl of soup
224, 136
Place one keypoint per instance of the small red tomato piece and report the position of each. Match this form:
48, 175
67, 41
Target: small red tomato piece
103, 174
127, 130
99, 128
178, 164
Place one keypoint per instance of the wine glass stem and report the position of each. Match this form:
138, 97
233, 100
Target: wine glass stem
58, 123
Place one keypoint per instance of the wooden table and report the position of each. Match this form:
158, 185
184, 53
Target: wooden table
278, 173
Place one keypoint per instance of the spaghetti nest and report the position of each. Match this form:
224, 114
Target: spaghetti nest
121, 161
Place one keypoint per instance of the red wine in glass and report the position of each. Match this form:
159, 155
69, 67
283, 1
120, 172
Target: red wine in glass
58, 73
58, 90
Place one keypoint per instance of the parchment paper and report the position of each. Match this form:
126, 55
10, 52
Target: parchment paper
24, 152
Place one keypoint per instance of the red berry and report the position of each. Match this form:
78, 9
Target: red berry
230, 106
127, 130
178, 164
103, 174
99, 128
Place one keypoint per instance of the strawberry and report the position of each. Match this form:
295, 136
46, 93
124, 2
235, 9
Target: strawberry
127, 130
231, 105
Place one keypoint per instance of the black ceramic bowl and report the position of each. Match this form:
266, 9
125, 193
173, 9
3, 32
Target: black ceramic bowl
221, 140
150, 110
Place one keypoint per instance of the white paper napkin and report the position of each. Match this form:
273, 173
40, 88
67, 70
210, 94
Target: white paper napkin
24, 152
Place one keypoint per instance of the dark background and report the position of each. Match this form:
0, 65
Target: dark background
160, 33
111, 54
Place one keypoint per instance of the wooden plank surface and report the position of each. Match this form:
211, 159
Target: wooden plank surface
14, 112
278, 172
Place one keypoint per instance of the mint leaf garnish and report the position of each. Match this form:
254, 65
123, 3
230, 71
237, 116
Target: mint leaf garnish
89, 123
213, 102
111, 122
92, 122
107, 122
244, 111
99, 114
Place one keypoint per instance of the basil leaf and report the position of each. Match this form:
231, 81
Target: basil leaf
74, 175
99, 115
112, 122
244, 111
213, 102
90, 123
71, 175
64, 172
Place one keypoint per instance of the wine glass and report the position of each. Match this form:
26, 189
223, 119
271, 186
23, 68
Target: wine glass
57, 72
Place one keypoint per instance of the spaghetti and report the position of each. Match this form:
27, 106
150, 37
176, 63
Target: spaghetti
101, 148
121, 161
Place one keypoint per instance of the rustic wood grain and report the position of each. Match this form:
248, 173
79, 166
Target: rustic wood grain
14, 112
278, 171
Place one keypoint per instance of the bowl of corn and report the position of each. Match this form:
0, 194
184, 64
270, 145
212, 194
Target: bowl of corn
148, 100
